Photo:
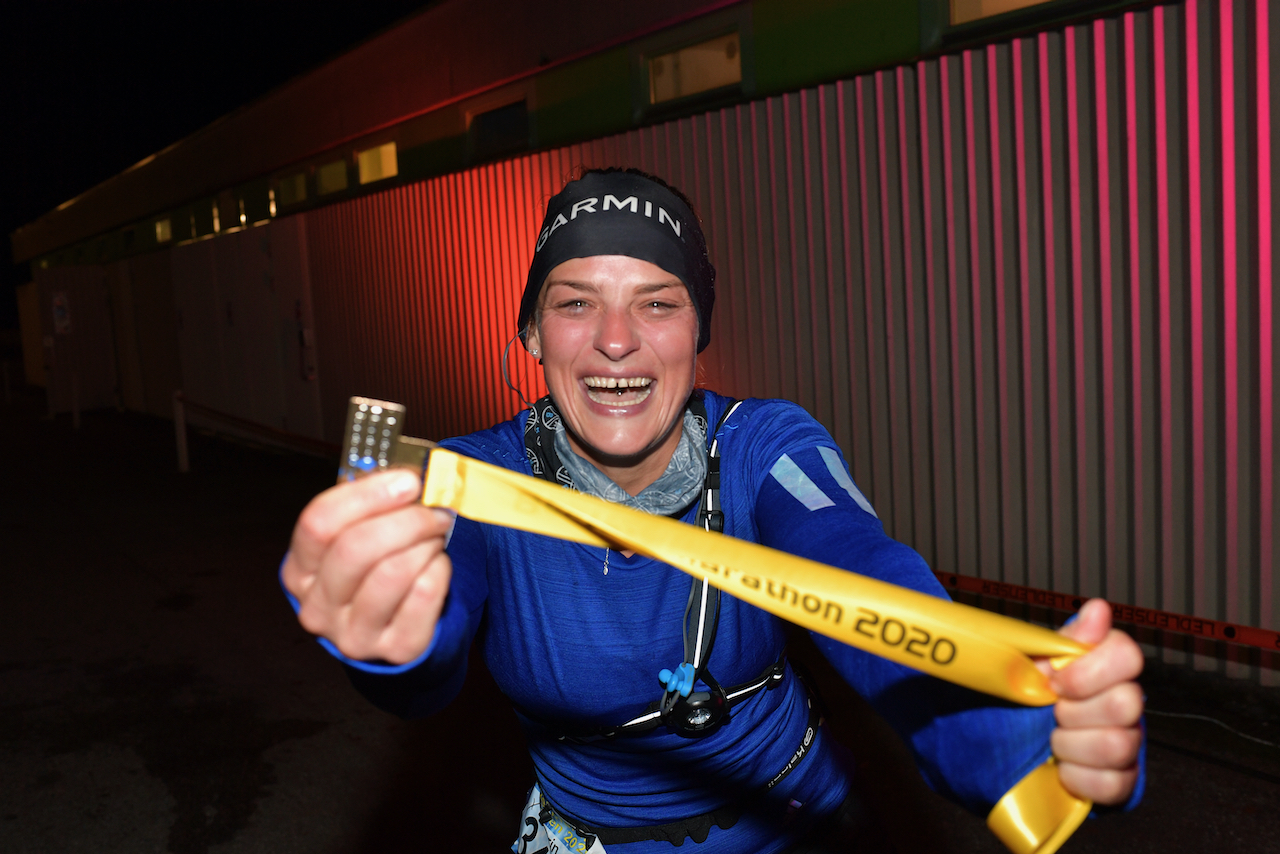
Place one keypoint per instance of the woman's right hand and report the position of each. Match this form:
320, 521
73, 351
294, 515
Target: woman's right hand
367, 565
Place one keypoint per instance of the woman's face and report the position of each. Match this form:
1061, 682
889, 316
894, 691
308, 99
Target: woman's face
618, 341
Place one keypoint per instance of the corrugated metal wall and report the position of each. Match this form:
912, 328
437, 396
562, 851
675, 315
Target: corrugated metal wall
153, 322
415, 293
118, 279
1027, 287
242, 305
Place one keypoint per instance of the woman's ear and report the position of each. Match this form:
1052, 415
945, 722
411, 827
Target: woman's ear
532, 341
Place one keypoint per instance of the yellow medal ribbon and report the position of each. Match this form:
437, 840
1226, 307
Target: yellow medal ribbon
977, 649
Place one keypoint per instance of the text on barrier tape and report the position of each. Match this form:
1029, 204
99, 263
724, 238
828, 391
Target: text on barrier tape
1130, 614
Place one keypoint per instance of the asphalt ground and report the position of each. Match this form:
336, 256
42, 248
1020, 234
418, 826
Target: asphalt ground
157, 695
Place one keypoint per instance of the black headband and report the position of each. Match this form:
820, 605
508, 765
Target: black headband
623, 213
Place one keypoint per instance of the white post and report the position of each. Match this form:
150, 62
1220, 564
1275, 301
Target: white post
75, 400
48, 373
180, 432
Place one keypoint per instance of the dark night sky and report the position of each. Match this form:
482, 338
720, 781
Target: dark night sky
93, 86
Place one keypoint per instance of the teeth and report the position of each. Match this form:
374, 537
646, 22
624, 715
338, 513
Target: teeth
617, 382
619, 396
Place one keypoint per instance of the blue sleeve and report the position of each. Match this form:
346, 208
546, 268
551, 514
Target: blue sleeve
969, 747
430, 682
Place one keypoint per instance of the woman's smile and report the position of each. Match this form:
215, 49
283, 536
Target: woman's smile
618, 391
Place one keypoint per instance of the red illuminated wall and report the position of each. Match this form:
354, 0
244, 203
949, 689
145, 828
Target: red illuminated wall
1027, 286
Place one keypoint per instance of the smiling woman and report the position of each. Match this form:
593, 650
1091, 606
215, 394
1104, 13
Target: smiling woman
657, 713
619, 358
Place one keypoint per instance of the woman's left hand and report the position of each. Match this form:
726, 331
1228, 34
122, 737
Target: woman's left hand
1098, 734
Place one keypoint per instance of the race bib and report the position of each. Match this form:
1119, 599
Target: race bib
552, 836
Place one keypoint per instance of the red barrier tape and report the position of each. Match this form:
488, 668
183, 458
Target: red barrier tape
1131, 614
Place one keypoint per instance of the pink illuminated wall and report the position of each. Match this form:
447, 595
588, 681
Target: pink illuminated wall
1027, 287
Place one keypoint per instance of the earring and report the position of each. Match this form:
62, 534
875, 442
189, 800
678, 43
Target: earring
533, 353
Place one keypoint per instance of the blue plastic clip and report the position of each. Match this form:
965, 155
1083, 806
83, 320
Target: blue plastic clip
681, 680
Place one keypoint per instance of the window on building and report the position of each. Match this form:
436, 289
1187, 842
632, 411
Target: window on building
504, 130
377, 163
271, 202
217, 222
964, 11
293, 189
164, 231
331, 177
701, 67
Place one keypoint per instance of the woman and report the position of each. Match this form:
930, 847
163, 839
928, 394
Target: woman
588, 641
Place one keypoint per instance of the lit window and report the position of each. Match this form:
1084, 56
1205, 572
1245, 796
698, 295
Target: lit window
697, 68
217, 225
293, 189
331, 177
378, 163
164, 231
243, 219
271, 202
964, 11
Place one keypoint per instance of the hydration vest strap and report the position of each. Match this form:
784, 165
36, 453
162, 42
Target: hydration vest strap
684, 709
651, 717
699, 826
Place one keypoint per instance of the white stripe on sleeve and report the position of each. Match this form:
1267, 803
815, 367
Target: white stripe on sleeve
836, 467
796, 482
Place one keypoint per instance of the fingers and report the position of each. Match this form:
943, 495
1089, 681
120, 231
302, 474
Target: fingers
368, 568
1098, 735
1097, 744
1108, 748
393, 614
1102, 786
338, 507
1091, 624
410, 632
373, 541
1121, 706
373, 603
1115, 660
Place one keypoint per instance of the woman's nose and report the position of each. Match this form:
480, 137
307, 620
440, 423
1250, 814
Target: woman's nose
616, 336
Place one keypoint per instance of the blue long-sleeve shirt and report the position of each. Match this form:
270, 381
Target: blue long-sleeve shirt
574, 647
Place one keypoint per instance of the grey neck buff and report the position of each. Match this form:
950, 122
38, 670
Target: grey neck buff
678, 487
